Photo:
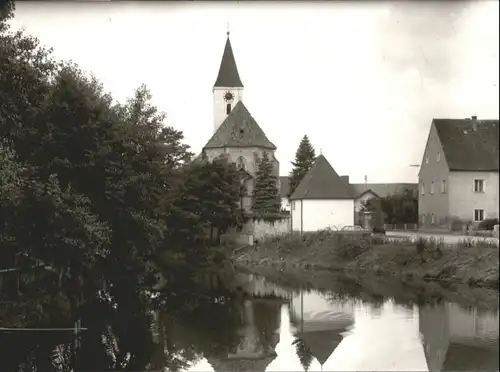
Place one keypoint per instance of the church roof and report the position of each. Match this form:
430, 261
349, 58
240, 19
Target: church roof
239, 129
228, 72
322, 182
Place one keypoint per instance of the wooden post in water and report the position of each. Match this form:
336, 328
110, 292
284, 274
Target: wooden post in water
76, 331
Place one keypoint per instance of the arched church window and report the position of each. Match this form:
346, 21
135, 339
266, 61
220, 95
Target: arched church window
240, 163
228, 109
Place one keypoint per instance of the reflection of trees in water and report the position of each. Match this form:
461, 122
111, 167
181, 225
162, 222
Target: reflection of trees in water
119, 337
210, 328
303, 352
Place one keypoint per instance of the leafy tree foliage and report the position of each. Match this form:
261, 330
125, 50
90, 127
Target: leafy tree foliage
304, 159
98, 190
95, 188
400, 208
394, 209
266, 193
6, 12
209, 199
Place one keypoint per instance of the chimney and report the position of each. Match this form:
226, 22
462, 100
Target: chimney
474, 123
345, 179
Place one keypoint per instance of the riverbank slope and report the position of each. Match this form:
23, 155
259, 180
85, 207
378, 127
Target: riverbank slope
472, 263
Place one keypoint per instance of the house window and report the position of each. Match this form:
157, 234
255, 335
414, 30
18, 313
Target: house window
443, 186
433, 218
432, 187
422, 189
228, 109
478, 215
423, 218
293, 205
478, 185
438, 156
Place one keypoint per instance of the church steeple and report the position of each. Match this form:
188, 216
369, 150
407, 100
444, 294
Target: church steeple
228, 88
228, 72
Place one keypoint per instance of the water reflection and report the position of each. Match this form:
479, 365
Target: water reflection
459, 339
318, 333
262, 327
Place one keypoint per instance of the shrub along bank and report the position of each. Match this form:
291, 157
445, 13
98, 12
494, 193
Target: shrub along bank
470, 262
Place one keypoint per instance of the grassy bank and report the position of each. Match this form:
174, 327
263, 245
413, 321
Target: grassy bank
424, 260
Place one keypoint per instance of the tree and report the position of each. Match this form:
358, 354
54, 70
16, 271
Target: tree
266, 193
209, 199
303, 352
83, 150
12, 180
6, 12
400, 208
304, 160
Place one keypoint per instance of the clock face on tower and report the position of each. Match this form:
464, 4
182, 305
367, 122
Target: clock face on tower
228, 96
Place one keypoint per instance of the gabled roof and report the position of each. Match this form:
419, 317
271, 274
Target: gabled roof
322, 343
383, 190
469, 144
241, 364
239, 129
228, 72
285, 186
322, 182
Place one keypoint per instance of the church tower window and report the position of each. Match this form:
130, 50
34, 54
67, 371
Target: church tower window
228, 109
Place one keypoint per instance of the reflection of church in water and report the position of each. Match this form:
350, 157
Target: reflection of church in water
314, 321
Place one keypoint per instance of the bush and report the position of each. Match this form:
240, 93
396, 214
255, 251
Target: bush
457, 224
488, 224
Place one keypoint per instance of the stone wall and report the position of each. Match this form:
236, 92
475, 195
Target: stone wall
264, 228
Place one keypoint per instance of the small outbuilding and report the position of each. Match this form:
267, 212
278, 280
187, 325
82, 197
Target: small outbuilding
322, 200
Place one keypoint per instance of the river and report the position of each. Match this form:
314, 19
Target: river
265, 327
307, 330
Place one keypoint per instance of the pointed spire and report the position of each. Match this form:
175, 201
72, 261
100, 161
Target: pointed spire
228, 72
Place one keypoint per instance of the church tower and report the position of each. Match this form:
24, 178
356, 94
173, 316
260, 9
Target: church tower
228, 88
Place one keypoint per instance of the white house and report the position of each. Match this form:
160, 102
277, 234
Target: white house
322, 200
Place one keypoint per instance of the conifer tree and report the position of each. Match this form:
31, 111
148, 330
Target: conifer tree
266, 194
304, 159
303, 352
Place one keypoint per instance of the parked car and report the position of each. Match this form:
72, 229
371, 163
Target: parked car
355, 230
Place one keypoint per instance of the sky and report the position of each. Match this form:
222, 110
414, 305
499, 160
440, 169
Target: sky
362, 79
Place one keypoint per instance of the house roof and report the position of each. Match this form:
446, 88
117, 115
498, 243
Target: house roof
322, 182
285, 186
241, 364
239, 129
382, 190
228, 72
322, 343
469, 144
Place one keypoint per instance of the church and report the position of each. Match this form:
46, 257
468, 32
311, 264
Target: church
236, 134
